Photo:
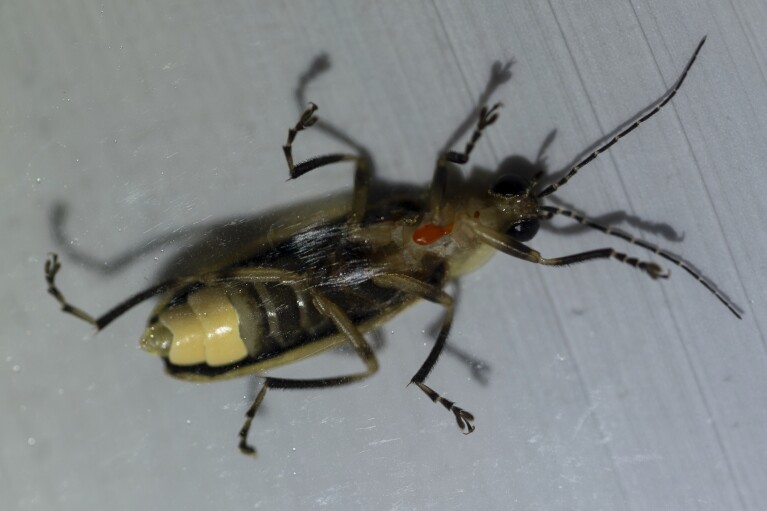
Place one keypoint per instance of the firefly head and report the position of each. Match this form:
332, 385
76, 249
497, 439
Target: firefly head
517, 207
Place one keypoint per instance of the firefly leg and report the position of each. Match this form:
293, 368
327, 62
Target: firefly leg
516, 249
549, 211
346, 327
52, 267
361, 171
433, 294
487, 116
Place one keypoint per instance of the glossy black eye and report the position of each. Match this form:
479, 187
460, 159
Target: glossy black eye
524, 230
509, 185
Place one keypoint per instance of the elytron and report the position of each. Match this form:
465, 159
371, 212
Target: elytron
343, 273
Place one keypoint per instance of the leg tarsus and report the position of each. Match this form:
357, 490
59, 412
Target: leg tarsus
463, 418
306, 120
504, 244
52, 267
436, 295
244, 446
654, 270
345, 326
362, 166
548, 211
487, 116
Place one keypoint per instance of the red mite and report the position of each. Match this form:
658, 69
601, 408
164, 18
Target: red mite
430, 233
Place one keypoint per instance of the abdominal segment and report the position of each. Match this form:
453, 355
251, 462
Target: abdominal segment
205, 330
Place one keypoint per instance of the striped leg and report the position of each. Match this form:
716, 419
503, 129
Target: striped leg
514, 248
549, 212
487, 116
345, 326
433, 294
361, 173
52, 267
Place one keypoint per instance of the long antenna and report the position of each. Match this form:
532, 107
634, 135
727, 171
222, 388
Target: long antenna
653, 110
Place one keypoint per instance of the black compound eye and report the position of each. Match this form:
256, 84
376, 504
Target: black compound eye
509, 186
524, 230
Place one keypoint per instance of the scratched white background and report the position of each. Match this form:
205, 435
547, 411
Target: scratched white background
605, 390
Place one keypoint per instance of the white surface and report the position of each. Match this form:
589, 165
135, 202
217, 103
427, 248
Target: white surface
606, 390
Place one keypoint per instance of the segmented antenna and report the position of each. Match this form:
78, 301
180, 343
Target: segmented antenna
653, 110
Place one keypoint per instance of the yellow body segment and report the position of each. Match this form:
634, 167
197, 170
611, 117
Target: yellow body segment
187, 347
219, 320
205, 330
